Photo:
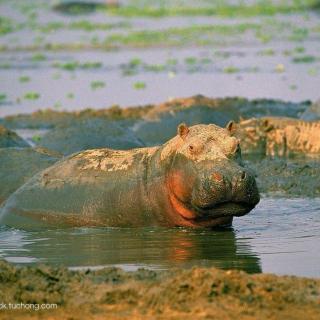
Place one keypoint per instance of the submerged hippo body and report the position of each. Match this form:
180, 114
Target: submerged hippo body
195, 179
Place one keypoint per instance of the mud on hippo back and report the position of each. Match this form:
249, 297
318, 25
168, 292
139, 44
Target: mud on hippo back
196, 179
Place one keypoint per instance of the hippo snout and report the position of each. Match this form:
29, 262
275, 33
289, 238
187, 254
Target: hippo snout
244, 189
226, 191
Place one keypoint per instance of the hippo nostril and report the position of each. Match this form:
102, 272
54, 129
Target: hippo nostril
217, 176
243, 175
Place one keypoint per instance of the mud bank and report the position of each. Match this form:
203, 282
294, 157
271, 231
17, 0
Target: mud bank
190, 294
287, 177
157, 117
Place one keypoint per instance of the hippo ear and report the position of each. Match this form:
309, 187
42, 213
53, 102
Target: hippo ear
231, 127
183, 130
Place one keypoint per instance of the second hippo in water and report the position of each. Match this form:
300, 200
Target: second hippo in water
196, 179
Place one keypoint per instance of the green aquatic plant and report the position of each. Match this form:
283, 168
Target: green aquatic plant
267, 8
313, 72
231, 69
24, 79
190, 60
5, 65
304, 59
70, 95
84, 25
139, 85
154, 67
299, 49
178, 36
172, 62
32, 95
97, 85
70, 66
36, 138
91, 65
38, 57
263, 37
267, 52
92, 26
131, 67
299, 34
50, 26
135, 62
6, 25
73, 65
3, 97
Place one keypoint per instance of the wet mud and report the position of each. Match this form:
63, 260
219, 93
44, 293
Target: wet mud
287, 177
193, 110
197, 293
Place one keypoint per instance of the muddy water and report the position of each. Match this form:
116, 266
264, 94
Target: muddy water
280, 236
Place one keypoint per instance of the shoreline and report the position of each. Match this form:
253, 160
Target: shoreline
198, 293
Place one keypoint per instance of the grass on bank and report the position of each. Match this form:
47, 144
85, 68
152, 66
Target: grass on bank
265, 7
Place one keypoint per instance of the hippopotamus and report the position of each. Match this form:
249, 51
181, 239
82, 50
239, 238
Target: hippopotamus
89, 134
278, 136
18, 165
196, 179
9, 139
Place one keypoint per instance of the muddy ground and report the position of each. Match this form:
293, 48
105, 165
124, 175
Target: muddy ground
198, 293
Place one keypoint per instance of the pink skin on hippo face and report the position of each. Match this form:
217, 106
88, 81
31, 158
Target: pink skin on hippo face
207, 183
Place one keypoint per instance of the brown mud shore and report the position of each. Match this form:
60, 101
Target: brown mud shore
198, 293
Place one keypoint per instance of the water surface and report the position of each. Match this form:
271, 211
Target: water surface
280, 236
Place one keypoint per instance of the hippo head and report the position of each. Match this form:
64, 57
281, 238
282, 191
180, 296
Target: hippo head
206, 181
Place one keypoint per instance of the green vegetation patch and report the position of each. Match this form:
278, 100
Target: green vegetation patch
84, 25
178, 36
139, 85
38, 57
3, 97
6, 25
267, 8
231, 69
24, 79
32, 96
97, 85
304, 59
73, 65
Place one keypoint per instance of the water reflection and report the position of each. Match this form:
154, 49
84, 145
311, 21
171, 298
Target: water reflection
130, 248
279, 236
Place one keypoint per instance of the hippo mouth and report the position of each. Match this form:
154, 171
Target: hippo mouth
220, 214
223, 209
